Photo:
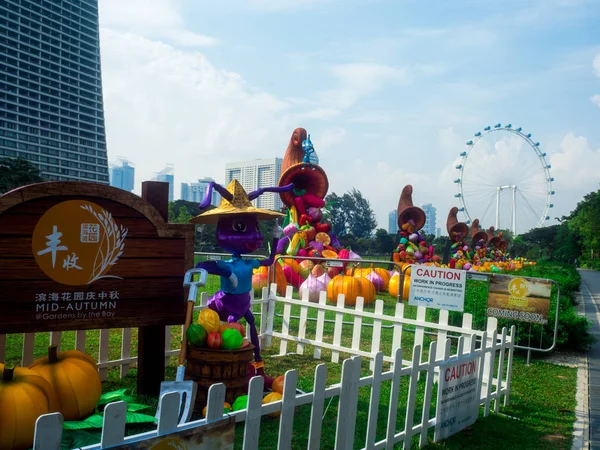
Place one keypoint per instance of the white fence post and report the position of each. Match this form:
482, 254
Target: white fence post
346, 419
113, 425
48, 432
288, 408
316, 413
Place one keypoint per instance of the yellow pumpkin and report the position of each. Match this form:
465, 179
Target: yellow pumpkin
74, 377
270, 398
394, 286
24, 390
344, 284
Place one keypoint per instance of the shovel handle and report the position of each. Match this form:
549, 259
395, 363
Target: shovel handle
189, 314
188, 319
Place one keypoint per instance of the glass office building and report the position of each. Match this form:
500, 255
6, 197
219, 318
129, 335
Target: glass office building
51, 110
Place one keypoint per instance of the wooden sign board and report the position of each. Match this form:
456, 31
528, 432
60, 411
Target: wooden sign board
76, 256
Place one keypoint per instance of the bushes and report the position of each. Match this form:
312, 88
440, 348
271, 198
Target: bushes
573, 329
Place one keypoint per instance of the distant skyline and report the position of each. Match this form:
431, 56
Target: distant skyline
390, 91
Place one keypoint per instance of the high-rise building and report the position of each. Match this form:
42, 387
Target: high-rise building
256, 174
51, 109
166, 175
393, 222
122, 174
195, 192
430, 214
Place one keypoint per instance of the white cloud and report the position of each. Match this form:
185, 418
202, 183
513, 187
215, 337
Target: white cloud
357, 80
596, 100
576, 164
164, 105
596, 65
152, 18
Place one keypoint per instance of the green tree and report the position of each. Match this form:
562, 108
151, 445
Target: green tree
584, 221
351, 213
384, 242
17, 172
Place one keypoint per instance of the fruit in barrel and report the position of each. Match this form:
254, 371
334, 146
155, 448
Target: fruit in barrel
196, 335
232, 339
74, 377
209, 319
214, 340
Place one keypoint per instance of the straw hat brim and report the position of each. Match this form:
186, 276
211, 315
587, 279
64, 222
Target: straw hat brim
313, 181
213, 216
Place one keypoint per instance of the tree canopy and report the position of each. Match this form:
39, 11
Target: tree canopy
17, 172
351, 213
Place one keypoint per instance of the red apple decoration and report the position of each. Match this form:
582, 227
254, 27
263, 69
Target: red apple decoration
214, 340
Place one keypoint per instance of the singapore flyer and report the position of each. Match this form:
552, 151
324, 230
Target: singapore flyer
504, 180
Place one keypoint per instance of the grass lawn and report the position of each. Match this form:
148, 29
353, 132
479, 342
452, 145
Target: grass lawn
540, 414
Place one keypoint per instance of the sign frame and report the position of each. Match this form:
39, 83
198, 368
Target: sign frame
437, 287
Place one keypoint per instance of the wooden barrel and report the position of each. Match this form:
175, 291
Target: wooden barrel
206, 367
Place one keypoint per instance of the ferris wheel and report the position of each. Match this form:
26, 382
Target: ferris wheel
504, 180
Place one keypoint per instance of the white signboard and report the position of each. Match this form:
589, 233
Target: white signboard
458, 395
435, 287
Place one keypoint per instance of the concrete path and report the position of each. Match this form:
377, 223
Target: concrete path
590, 295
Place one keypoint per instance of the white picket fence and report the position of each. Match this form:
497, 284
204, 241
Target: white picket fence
328, 335
49, 427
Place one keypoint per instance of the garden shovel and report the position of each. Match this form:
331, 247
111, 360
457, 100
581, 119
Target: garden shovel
186, 389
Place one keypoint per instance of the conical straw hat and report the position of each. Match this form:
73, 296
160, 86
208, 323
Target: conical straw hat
456, 230
293, 170
477, 234
406, 210
238, 204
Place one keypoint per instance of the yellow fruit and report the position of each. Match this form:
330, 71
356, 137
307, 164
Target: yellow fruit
270, 398
74, 377
226, 409
209, 319
323, 238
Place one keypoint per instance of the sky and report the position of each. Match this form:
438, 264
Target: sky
389, 90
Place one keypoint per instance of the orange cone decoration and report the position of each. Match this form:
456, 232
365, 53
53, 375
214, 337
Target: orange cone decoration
477, 234
456, 230
407, 212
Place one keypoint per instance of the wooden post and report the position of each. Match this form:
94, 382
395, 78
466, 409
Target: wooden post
151, 339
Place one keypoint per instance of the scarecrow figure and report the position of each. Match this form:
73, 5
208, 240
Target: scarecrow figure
238, 232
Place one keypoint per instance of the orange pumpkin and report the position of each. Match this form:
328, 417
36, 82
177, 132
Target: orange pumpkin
344, 284
278, 384
394, 286
74, 377
24, 390
367, 290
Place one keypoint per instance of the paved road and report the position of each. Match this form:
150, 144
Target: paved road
590, 291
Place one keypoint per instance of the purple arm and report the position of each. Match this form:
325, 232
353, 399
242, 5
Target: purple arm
208, 196
269, 261
255, 194
212, 268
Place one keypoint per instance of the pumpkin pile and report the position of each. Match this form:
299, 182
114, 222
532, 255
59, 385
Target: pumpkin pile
209, 332
66, 382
